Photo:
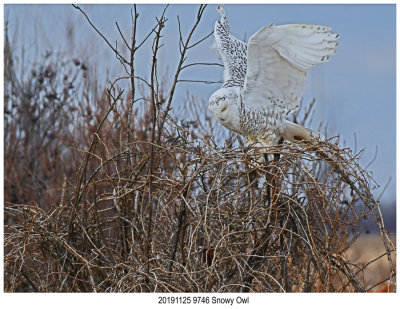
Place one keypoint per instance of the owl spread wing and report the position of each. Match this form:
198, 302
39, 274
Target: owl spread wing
278, 58
233, 52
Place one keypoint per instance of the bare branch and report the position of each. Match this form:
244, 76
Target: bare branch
203, 39
199, 81
103, 37
122, 36
179, 68
201, 63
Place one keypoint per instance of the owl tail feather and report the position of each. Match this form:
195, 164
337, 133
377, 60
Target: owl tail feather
296, 133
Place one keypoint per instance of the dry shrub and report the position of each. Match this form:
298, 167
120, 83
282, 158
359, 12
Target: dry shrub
136, 202
219, 222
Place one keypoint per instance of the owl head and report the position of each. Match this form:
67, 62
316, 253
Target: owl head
224, 104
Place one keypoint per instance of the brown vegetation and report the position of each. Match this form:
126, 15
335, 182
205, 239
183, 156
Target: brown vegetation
112, 194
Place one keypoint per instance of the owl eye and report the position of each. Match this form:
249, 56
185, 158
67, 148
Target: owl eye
223, 109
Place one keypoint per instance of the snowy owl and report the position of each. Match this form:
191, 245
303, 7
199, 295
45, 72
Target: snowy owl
265, 80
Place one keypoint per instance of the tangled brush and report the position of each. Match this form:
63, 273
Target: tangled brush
207, 219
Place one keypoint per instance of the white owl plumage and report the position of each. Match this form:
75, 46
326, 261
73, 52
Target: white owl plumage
265, 80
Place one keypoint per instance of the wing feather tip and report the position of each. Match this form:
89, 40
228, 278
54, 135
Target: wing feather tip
221, 10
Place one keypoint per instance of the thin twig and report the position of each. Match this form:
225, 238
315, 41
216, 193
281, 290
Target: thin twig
103, 37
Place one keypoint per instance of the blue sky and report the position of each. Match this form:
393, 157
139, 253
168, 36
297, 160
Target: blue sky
355, 91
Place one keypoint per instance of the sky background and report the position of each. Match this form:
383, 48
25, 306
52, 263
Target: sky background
355, 92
